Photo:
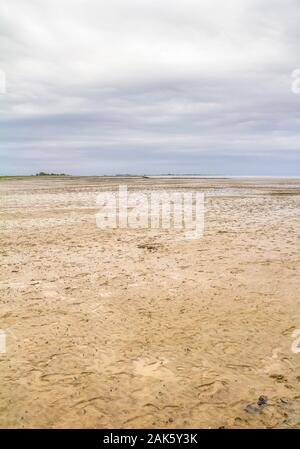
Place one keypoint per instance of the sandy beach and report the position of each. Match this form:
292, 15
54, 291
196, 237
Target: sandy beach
142, 327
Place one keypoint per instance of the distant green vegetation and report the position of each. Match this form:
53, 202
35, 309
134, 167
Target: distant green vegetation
3, 178
42, 173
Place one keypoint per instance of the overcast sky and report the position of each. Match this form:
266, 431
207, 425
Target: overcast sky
150, 86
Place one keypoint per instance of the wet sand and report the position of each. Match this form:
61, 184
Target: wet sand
143, 328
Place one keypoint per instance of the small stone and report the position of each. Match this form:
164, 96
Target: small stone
251, 409
262, 400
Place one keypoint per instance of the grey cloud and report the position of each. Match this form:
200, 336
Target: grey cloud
130, 86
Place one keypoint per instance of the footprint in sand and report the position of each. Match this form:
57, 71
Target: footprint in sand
157, 369
215, 390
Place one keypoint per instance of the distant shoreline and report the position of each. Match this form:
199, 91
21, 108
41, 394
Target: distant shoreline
3, 177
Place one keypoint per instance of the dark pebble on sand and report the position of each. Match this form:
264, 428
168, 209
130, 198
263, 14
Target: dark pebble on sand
262, 400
